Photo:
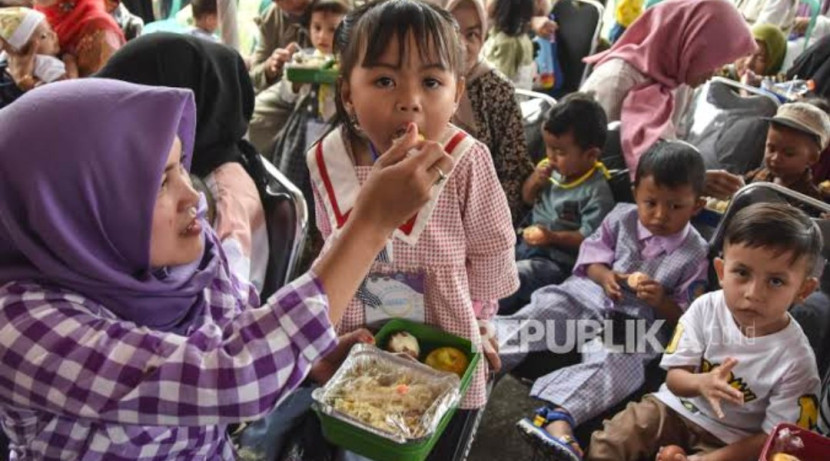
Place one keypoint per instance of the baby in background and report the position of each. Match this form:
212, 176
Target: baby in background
24, 31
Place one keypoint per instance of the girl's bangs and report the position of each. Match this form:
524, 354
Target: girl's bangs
397, 20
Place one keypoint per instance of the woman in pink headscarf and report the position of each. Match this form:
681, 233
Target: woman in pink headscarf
678, 42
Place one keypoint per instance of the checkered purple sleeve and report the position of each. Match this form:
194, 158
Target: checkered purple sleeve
62, 354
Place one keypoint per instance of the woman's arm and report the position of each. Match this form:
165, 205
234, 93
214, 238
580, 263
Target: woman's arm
95, 49
58, 357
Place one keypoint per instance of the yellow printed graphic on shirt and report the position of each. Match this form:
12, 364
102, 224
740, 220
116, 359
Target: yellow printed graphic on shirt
738, 383
808, 411
675, 340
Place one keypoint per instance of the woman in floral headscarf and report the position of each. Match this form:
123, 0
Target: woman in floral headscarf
488, 109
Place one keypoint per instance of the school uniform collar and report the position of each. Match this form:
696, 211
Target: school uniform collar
334, 174
668, 243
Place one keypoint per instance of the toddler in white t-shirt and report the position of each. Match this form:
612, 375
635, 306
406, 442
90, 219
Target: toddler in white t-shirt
738, 363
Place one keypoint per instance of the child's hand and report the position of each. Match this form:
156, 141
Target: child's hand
277, 60
611, 284
490, 344
651, 292
541, 175
714, 386
543, 27
537, 236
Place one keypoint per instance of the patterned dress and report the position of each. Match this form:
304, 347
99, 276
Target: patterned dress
465, 251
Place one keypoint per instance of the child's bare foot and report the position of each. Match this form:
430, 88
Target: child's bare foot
325, 368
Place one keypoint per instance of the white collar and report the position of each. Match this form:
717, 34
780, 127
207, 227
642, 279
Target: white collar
334, 174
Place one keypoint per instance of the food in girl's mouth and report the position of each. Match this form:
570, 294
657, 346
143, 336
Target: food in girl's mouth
405, 343
634, 280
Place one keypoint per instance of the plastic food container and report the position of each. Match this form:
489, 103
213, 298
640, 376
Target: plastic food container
815, 447
368, 441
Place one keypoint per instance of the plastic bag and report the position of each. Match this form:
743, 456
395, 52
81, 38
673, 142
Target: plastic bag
550, 77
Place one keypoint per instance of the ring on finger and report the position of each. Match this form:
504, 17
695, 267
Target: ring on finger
441, 176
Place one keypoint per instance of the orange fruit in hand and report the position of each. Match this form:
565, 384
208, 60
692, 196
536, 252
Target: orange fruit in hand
448, 359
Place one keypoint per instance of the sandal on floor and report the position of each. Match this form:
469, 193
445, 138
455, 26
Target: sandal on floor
554, 448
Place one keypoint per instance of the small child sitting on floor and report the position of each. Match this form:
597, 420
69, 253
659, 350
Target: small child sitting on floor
569, 193
797, 135
738, 364
654, 238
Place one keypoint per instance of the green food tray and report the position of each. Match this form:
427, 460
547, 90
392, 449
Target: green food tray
379, 448
311, 74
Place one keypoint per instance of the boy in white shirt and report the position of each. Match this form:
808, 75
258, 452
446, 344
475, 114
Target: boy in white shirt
738, 363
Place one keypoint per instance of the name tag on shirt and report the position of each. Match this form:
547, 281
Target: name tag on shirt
397, 295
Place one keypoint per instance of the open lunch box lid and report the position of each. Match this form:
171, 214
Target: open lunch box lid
813, 446
345, 432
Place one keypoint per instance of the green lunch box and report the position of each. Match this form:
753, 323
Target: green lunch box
300, 74
379, 448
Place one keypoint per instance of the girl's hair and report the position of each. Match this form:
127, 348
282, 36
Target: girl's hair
367, 31
512, 16
672, 164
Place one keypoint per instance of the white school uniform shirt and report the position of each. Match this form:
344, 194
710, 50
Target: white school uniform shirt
777, 373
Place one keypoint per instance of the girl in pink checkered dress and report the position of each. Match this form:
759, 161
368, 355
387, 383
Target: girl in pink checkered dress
401, 65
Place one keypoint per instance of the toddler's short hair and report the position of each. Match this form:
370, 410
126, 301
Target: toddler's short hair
582, 115
779, 226
203, 8
672, 164
328, 6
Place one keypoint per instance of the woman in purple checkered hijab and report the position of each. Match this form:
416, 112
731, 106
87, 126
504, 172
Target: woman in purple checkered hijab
123, 333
